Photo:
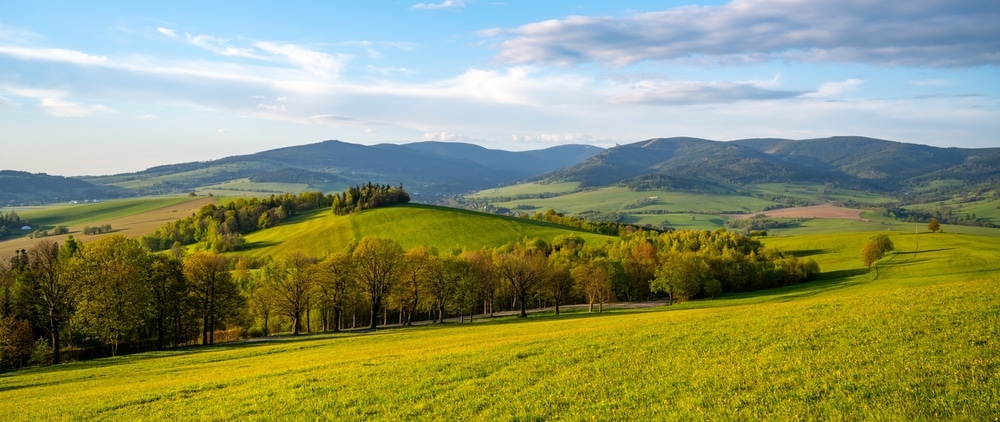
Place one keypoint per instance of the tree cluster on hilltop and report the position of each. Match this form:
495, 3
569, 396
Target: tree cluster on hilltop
368, 196
114, 295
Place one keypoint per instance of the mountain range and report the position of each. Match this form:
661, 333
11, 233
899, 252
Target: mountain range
434, 170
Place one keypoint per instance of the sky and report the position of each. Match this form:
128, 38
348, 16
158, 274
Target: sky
106, 87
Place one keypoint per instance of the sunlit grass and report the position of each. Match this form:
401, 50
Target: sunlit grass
412, 225
919, 342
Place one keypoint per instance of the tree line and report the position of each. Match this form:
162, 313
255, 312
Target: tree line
10, 223
114, 294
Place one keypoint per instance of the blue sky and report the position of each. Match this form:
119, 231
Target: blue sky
109, 87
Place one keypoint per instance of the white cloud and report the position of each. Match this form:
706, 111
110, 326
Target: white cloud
221, 46
910, 33
833, 89
166, 32
318, 63
446, 4
699, 92
53, 55
55, 104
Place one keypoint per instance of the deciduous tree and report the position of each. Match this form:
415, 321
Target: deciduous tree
379, 265
114, 297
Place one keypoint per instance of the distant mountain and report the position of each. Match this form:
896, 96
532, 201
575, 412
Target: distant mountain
428, 170
23, 188
701, 164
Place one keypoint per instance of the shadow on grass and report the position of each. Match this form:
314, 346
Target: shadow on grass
810, 252
923, 251
192, 350
259, 244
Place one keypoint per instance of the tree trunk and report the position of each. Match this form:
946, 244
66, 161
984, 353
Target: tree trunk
54, 327
204, 330
336, 320
591, 305
375, 306
308, 319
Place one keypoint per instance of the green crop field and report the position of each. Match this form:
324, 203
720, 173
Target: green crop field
75, 214
818, 193
319, 232
527, 189
918, 342
617, 198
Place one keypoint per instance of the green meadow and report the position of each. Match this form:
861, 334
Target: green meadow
919, 341
319, 232
617, 198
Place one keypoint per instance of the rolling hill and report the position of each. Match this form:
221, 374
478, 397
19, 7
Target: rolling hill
319, 232
23, 188
854, 162
429, 170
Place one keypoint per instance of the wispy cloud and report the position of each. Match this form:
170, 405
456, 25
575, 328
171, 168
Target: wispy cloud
446, 4
833, 89
689, 93
912, 33
166, 32
53, 54
54, 103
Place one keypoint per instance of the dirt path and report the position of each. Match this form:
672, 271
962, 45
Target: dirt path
812, 211
132, 226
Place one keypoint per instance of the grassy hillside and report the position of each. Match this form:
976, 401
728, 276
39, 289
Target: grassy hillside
412, 225
917, 343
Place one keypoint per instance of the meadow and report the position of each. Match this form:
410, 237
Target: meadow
919, 341
319, 232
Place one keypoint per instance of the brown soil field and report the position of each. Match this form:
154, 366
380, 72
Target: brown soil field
131, 226
813, 211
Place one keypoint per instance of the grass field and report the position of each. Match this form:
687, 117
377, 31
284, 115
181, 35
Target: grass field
130, 217
319, 232
617, 198
527, 189
920, 342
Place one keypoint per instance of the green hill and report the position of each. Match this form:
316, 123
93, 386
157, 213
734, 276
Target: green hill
919, 342
430, 170
412, 225
18, 188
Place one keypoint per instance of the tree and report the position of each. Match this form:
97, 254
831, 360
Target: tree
523, 266
485, 273
934, 225
683, 275
419, 268
215, 295
291, 283
558, 284
591, 280
336, 282
460, 275
870, 253
170, 289
379, 265
114, 297
883, 243
52, 286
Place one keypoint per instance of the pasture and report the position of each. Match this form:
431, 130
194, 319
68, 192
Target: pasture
918, 342
319, 232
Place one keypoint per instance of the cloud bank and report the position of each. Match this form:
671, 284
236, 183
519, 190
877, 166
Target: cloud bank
939, 33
